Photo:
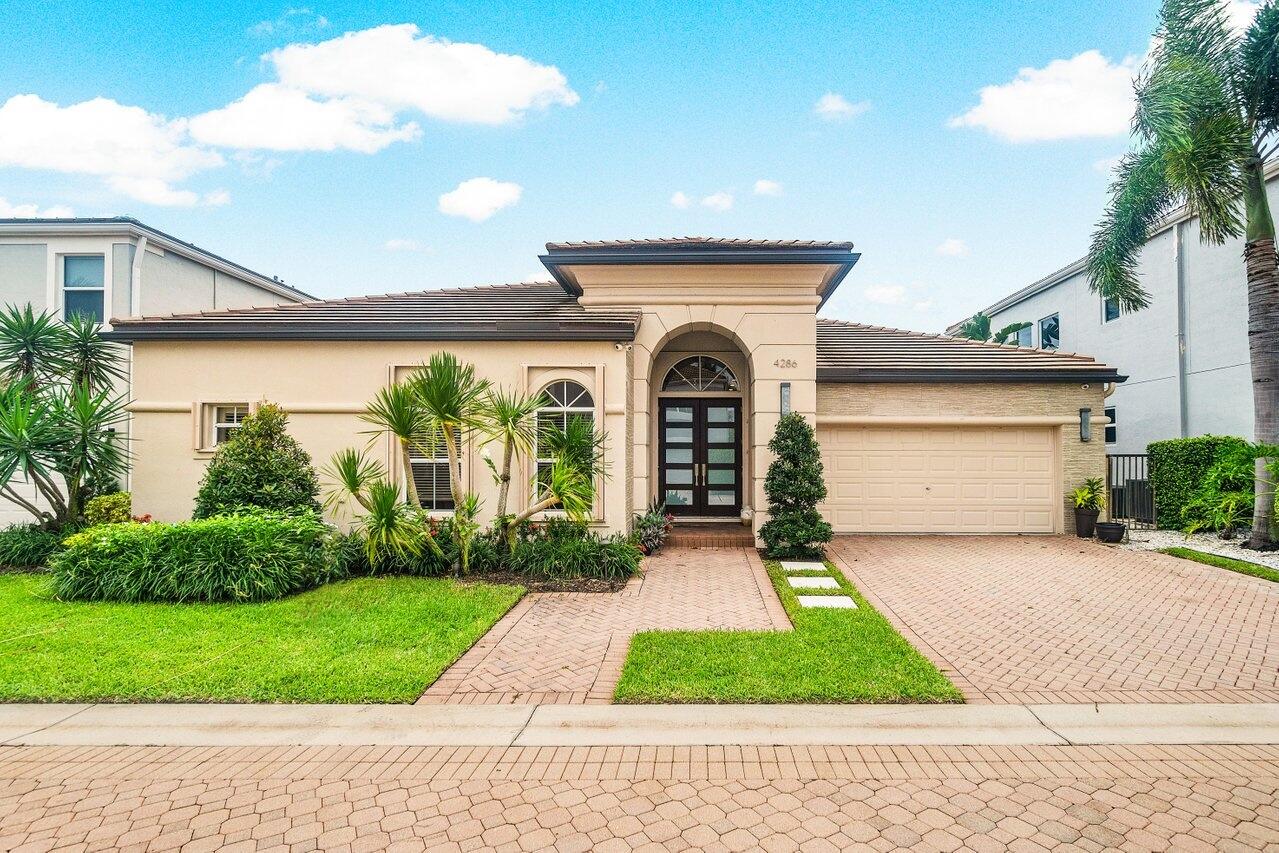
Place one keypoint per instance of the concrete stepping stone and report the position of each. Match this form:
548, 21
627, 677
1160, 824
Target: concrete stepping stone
803, 566
813, 583
842, 602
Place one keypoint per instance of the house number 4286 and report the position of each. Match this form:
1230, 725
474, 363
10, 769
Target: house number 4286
785, 362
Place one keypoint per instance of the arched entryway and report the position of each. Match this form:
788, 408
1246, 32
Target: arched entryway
701, 421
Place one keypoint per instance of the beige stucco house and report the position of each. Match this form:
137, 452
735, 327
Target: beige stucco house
686, 351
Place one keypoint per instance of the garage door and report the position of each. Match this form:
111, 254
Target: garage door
906, 479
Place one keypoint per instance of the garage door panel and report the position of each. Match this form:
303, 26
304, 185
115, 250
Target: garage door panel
940, 480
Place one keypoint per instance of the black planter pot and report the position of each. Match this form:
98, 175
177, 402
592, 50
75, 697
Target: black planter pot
1085, 521
1110, 532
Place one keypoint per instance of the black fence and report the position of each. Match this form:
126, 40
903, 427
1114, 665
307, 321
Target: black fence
1132, 500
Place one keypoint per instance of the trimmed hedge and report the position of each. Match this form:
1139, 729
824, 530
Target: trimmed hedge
226, 558
611, 558
1178, 467
27, 546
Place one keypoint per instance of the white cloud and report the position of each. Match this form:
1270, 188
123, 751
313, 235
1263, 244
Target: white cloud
398, 67
720, 201
33, 211
479, 198
290, 21
952, 247
278, 118
885, 294
923, 305
833, 107
766, 187
401, 244
1086, 95
137, 153
680, 200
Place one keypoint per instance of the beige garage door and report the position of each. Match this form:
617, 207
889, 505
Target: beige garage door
907, 479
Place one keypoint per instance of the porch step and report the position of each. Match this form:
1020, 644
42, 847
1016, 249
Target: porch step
715, 535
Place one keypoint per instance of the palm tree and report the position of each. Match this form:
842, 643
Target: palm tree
396, 410
453, 401
578, 454
511, 420
1205, 126
977, 328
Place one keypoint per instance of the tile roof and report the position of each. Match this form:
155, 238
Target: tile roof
853, 352
696, 243
495, 312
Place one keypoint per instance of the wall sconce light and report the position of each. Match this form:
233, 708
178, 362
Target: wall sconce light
1085, 424
785, 398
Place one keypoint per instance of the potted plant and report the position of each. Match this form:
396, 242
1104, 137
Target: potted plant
1111, 532
1089, 499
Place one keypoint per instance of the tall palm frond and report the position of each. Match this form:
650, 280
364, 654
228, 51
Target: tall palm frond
453, 399
397, 410
86, 357
32, 346
510, 420
350, 473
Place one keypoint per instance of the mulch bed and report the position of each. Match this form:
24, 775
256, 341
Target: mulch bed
548, 584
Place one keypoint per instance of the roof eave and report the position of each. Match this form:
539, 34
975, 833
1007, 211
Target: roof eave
616, 331
854, 374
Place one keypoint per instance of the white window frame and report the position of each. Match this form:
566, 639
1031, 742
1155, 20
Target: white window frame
567, 411
216, 423
441, 457
63, 289
1039, 328
1118, 307
1112, 423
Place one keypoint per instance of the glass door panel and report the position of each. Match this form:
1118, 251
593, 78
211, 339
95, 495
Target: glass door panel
699, 456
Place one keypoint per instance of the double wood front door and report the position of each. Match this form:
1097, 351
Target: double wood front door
699, 467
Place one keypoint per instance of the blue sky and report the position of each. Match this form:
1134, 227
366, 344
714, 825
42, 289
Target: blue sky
325, 162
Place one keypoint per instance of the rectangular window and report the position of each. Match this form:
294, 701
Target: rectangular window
1022, 338
430, 464
1110, 309
84, 286
1112, 431
1050, 332
226, 420
557, 418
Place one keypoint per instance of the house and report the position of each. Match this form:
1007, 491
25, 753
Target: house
686, 351
118, 267
1186, 355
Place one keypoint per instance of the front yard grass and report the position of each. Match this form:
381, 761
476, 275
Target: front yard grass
831, 656
366, 640
1243, 567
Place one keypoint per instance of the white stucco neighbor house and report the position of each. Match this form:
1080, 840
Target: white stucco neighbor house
1186, 355
118, 267
686, 351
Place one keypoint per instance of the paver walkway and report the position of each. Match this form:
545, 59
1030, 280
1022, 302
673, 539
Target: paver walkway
1185, 798
1056, 619
570, 647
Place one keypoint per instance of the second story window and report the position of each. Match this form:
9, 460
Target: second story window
1112, 428
1022, 338
1050, 332
1110, 309
84, 286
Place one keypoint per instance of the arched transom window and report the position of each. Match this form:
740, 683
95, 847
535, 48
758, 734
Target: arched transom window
566, 401
700, 373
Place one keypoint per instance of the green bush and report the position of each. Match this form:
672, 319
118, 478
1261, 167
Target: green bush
610, 558
261, 465
1178, 467
27, 546
227, 558
794, 485
115, 508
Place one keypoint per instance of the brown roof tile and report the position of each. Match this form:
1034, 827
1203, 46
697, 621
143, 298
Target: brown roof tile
853, 352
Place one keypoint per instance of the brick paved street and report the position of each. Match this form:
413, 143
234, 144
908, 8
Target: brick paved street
569, 647
1057, 619
660, 798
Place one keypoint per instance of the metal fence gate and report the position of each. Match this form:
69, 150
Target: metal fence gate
1132, 500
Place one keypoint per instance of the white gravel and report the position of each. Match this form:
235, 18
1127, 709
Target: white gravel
1154, 540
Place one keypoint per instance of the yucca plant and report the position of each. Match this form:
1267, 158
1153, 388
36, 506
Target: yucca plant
397, 410
510, 420
454, 400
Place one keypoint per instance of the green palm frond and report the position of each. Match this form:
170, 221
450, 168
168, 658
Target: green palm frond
1140, 197
32, 346
509, 418
976, 327
1009, 331
1259, 70
397, 410
349, 474
87, 357
450, 393
390, 527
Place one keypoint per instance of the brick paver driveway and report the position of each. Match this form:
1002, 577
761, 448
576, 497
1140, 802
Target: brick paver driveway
1056, 619
1183, 798
570, 647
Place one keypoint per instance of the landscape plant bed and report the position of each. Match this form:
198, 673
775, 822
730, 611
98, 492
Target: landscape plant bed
1243, 567
830, 656
382, 639
536, 584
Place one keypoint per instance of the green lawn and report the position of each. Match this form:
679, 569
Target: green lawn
366, 640
831, 656
1241, 566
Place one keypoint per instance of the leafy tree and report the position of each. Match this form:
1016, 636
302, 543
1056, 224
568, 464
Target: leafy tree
977, 328
260, 465
509, 420
794, 486
58, 413
1205, 126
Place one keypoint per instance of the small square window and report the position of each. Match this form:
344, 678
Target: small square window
1023, 337
227, 419
1112, 431
1110, 309
1050, 332
84, 286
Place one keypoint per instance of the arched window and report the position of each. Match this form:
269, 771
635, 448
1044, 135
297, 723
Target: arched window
700, 373
566, 401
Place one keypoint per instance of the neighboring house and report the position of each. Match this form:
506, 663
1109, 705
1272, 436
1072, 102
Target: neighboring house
1186, 355
118, 267
686, 351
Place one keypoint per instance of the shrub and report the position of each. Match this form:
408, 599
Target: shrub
1178, 467
27, 546
261, 465
109, 509
794, 486
227, 558
1225, 497
651, 527
611, 558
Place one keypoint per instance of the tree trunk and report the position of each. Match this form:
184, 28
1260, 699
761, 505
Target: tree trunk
455, 488
504, 484
1263, 344
410, 485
